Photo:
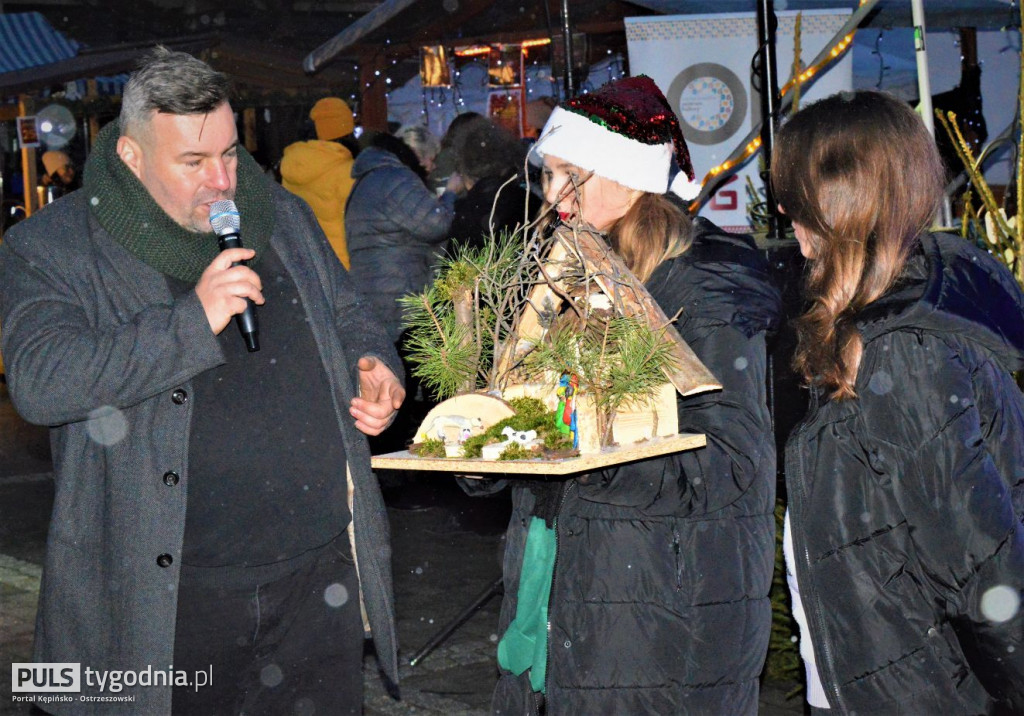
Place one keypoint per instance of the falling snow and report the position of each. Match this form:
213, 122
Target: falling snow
336, 595
107, 425
880, 383
1000, 603
271, 675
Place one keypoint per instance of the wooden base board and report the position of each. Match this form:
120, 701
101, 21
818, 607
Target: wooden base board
404, 460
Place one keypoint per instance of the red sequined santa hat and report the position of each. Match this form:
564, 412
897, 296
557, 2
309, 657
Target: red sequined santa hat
625, 131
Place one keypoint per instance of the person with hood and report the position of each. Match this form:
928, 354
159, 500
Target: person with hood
320, 170
905, 480
643, 588
396, 227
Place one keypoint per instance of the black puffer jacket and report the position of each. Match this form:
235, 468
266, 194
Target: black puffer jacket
906, 503
395, 227
660, 597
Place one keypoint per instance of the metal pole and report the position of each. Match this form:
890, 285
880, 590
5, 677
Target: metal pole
492, 590
924, 91
711, 184
766, 26
570, 83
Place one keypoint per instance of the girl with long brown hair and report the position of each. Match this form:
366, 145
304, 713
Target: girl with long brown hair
904, 543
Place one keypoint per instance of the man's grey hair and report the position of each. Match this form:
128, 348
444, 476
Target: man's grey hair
421, 140
173, 83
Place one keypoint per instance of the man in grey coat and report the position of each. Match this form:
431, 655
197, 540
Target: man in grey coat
218, 541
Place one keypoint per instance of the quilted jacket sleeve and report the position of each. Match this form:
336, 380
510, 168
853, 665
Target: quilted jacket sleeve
424, 215
960, 434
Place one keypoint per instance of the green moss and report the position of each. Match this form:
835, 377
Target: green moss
432, 447
473, 446
529, 408
515, 451
557, 440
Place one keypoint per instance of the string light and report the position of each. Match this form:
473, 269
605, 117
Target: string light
751, 147
473, 51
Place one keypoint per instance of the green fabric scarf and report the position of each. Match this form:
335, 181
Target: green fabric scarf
525, 642
130, 215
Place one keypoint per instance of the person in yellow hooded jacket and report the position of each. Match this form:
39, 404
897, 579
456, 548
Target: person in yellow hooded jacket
320, 170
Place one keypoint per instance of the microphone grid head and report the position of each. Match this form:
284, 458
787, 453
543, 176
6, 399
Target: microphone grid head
224, 217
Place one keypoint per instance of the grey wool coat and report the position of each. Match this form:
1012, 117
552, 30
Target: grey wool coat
95, 344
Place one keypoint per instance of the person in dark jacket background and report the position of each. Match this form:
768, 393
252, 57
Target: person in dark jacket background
661, 568
490, 163
396, 227
905, 481
444, 162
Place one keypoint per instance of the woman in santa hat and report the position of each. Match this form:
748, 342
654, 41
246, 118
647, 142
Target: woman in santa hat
643, 588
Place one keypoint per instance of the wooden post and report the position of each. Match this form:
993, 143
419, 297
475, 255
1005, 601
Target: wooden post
353, 33
249, 129
30, 178
92, 93
464, 316
373, 105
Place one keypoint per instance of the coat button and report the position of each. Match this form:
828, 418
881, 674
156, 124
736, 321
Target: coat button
165, 560
170, 479
179, 396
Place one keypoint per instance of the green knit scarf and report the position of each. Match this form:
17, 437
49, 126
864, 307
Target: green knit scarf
126, 210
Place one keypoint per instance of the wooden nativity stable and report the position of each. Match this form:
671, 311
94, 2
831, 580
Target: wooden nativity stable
559, 284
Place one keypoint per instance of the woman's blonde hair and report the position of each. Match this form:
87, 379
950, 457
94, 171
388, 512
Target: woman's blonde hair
652, 231
862, 175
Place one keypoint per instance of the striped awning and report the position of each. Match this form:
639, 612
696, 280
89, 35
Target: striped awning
28, 40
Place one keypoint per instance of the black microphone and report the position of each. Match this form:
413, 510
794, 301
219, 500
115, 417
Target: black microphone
225, 221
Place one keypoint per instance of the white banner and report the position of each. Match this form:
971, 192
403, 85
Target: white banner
703, 65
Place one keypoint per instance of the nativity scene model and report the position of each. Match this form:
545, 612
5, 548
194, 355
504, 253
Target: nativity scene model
547, 356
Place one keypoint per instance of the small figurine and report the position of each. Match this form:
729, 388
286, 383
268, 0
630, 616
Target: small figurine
438, 425
525, 438
565, 414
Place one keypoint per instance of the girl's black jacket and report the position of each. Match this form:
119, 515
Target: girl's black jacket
659, 602
906, 502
